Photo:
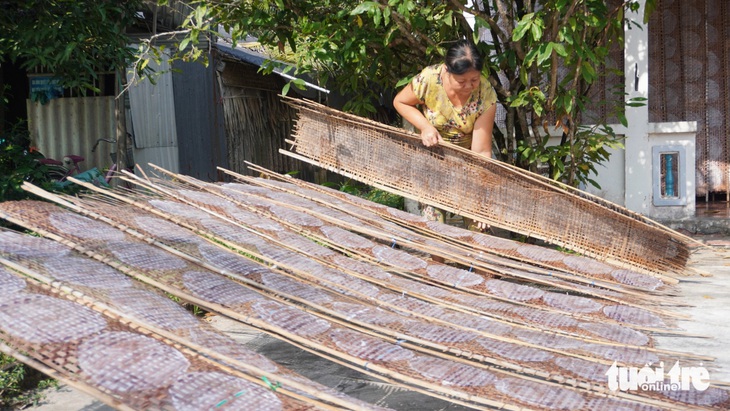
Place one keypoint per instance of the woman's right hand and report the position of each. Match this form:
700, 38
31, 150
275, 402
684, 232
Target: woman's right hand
430, 136
406, 102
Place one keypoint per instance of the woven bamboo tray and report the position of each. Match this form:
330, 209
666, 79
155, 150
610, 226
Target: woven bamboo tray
447, 275
486, 386
453, 241
369, 213
375, 250
115, 360
466, 247
173, 260
477, 187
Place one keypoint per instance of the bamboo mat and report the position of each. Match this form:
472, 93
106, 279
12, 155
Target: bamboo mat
116, 359
254, 262
462, 275
579, 265
495, 287
459, 181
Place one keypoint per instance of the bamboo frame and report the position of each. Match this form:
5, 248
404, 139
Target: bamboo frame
203, 303
503, 196
325, 240
454, 249
117, 320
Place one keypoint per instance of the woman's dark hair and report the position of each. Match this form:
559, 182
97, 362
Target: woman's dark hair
463, 56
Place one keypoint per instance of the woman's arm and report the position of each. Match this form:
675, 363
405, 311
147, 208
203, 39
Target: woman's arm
405, 103
481, 141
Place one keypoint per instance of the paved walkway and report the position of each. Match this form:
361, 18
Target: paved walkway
708, 298
707, 295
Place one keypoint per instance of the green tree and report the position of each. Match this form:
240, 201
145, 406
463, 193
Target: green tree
544, 58
73, 39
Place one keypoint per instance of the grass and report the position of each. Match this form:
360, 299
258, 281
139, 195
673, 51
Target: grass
21, 386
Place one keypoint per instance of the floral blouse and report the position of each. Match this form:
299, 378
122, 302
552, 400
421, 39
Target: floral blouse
455, 125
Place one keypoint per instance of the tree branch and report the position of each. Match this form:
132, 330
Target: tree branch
407, 30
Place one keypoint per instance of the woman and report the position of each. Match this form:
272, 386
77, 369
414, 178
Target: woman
452, 102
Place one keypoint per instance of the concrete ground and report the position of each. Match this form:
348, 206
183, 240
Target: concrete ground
708, 295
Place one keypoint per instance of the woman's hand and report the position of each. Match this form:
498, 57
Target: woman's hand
430, 136
483, 227
406, 102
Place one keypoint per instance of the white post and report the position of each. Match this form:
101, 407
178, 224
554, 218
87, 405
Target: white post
638, 176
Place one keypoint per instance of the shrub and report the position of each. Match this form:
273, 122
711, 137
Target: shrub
20, 385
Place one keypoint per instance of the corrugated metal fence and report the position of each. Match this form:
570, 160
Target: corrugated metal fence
71, 126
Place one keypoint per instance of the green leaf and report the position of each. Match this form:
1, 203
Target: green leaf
402, 82
536, 30
544, 53
538, 108
67, 52
299, 83
594, 183
560, 49
649, 8
522, 27
386, 15
568, 104
377, 17
184, 43
588, 72
530, 57
365, 7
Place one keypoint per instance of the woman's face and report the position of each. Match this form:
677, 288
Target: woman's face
466, 82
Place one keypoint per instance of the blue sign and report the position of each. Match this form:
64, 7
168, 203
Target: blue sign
44, 88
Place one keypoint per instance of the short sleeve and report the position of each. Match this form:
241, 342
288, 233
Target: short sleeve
490, 96
423, 80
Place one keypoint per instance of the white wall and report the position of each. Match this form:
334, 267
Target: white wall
611, 178
670, 137
641, 136
638, 151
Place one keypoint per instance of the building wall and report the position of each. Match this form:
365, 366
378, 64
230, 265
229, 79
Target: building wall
611, 178
152, 121
690, 56
643, 138
199, 121
258, 123
71, 125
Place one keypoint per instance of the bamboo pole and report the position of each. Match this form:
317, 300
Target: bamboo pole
59, 375
550, 184
183, 297
276, 262
420, 245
